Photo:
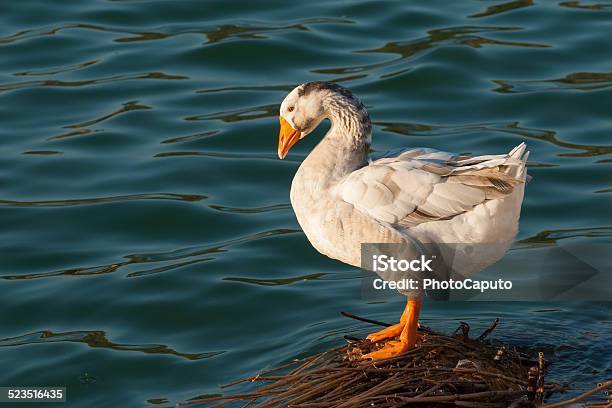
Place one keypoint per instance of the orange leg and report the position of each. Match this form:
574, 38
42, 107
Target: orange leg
407, 335
391, 331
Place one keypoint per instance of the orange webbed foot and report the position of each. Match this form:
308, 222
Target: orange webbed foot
391, 349
406, 329
386, 333
389, 333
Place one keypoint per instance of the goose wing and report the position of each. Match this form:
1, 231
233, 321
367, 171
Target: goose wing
421, 185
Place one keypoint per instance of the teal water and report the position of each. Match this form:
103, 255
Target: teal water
148, 249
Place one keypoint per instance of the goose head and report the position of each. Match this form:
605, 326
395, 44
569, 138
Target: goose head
305, 107
300, 113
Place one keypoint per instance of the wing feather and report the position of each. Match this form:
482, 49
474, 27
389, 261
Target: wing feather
422, 185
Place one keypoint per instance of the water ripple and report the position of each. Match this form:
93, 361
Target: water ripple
81, 128
73, 133
191, 138
250, 88
179, 154
167, 268
579, 5
552, 236
225, 155
273, 88
250, 113
275, 282
253, 210
97, 339
201, 253
104, 200
127, 107
503, 8
43, 152
462, 35
579, 81
550, 136
255, 32
57, 70
203, 250
228, 31
213, 35
13, 86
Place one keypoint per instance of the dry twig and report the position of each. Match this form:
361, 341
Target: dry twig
428, 375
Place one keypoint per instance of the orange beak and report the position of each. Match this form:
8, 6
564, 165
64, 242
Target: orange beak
286, 138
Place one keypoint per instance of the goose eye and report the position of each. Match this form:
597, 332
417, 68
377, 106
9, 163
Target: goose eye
291, 108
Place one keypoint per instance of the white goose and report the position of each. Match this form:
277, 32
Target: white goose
341, 199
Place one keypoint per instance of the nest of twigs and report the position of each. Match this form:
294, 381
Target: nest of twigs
441, 371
